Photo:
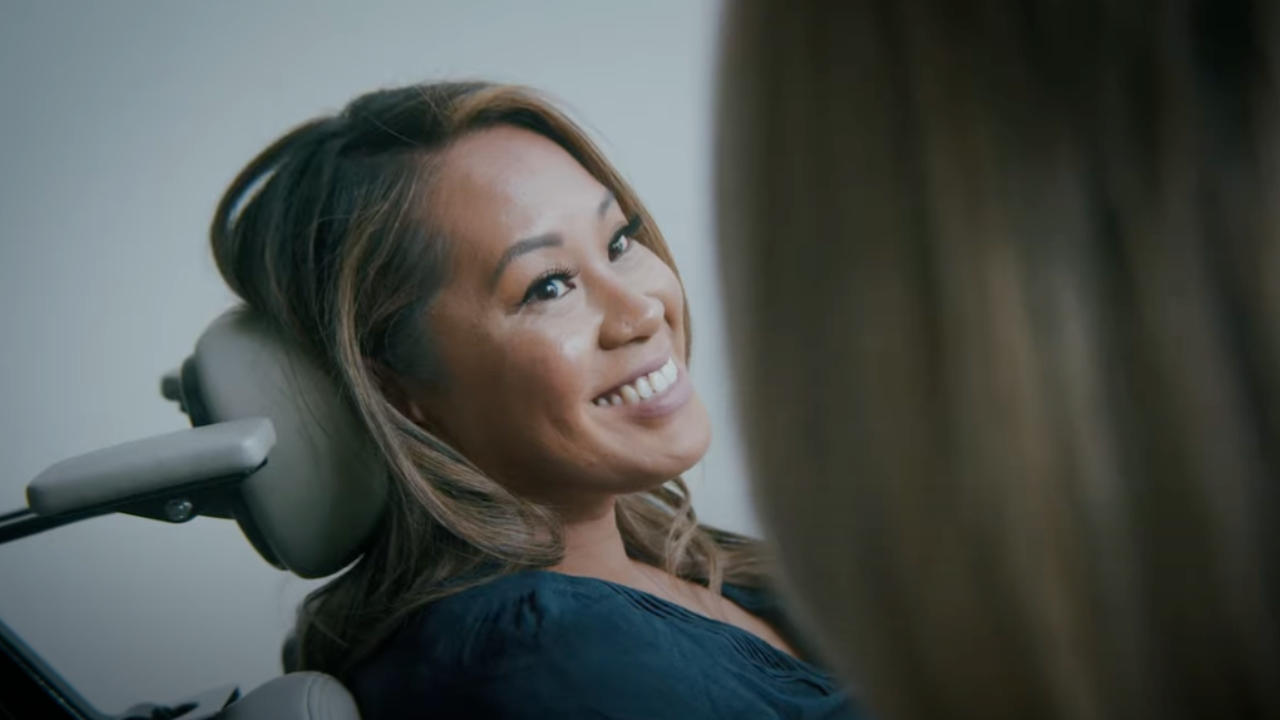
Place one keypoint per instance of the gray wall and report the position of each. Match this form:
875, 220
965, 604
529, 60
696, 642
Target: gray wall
120, 123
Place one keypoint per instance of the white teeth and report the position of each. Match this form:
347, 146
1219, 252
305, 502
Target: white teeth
658, 381
645, 387
670, 372
629, 395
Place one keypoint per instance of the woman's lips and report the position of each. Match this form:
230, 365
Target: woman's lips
647, 386
658, 393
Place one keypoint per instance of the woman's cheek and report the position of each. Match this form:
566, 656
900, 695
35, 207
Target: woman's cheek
550, 367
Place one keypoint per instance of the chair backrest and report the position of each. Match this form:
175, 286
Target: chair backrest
315, 504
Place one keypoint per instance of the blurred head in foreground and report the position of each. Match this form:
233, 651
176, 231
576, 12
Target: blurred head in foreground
1004, 292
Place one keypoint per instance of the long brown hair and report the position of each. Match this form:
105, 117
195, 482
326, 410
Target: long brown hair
1005, 291
328, 233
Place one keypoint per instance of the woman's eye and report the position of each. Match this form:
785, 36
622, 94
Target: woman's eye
550, 288
618, 246
622, 239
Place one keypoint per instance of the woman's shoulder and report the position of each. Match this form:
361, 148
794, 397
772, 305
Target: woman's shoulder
542, 595
529, 613
541, 645
531, 639
522, 614
522, 608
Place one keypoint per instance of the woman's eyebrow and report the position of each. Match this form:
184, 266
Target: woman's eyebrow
608, 200
537, 242
521, 247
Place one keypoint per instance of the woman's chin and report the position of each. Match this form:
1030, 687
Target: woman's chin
684, 446
617, 461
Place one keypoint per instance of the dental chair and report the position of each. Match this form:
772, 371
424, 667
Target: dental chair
274, 448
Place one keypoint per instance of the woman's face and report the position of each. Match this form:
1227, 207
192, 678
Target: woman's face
561, 338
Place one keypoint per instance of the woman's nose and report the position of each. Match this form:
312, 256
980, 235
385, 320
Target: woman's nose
630, 314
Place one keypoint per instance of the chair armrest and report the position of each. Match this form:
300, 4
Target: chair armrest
142, 468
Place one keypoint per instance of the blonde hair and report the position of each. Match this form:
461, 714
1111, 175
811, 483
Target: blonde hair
326, 234
1005, 311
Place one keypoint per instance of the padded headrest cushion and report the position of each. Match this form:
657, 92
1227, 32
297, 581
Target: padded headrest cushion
320, 496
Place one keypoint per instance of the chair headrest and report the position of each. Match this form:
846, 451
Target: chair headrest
315, 504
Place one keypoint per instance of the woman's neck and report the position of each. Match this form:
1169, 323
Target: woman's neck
593, 547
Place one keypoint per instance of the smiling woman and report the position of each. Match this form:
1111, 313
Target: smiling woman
508, 322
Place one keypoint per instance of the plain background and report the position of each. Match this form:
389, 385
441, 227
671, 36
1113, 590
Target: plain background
121, 122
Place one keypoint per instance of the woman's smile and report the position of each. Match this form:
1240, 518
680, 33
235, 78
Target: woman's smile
650, 392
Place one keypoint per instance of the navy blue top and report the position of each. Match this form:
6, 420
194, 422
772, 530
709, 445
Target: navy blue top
539, 645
